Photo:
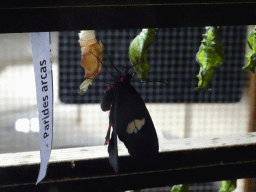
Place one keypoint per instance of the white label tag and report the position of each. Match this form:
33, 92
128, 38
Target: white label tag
43, 76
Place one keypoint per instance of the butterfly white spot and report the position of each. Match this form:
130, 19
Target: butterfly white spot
135, 126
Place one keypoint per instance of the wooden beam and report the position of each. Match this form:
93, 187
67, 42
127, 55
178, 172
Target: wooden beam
189, 160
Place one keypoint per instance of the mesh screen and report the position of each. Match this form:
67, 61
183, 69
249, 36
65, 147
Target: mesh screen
172, 59
86, 125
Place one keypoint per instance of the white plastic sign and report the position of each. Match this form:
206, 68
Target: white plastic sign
43, 76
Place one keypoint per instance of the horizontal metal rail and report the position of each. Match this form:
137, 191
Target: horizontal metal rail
189, 160
124, 15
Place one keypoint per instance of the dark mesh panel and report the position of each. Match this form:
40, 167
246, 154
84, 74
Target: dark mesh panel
172, 59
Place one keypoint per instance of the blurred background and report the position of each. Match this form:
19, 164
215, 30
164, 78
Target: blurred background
79, 121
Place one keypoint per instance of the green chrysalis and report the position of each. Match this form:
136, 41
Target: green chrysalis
180, 188
251, 55
210, 56
138, 51
228, 185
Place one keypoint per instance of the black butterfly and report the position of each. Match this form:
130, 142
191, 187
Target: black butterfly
130, 120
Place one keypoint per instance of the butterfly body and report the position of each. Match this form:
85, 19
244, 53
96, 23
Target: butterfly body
130, 120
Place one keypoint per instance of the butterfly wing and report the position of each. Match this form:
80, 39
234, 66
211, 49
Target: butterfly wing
113, 151
131, 122
109, 103
134, 125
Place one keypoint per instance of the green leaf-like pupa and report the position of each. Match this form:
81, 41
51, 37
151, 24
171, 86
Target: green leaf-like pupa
180, 188
251, 55
228, 185
210, 56
138, 52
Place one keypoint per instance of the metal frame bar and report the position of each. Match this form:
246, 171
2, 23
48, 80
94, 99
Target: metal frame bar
187, 160
143, 14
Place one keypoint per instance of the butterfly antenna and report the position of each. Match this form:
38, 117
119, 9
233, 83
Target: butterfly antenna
110, 60
162, 82
101, 62
137, 80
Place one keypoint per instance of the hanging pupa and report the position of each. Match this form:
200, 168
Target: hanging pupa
251, 55
210, 56
138, 52
91, 57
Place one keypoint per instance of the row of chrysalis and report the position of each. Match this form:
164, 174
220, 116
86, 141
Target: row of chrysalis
209, 57
92, 55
